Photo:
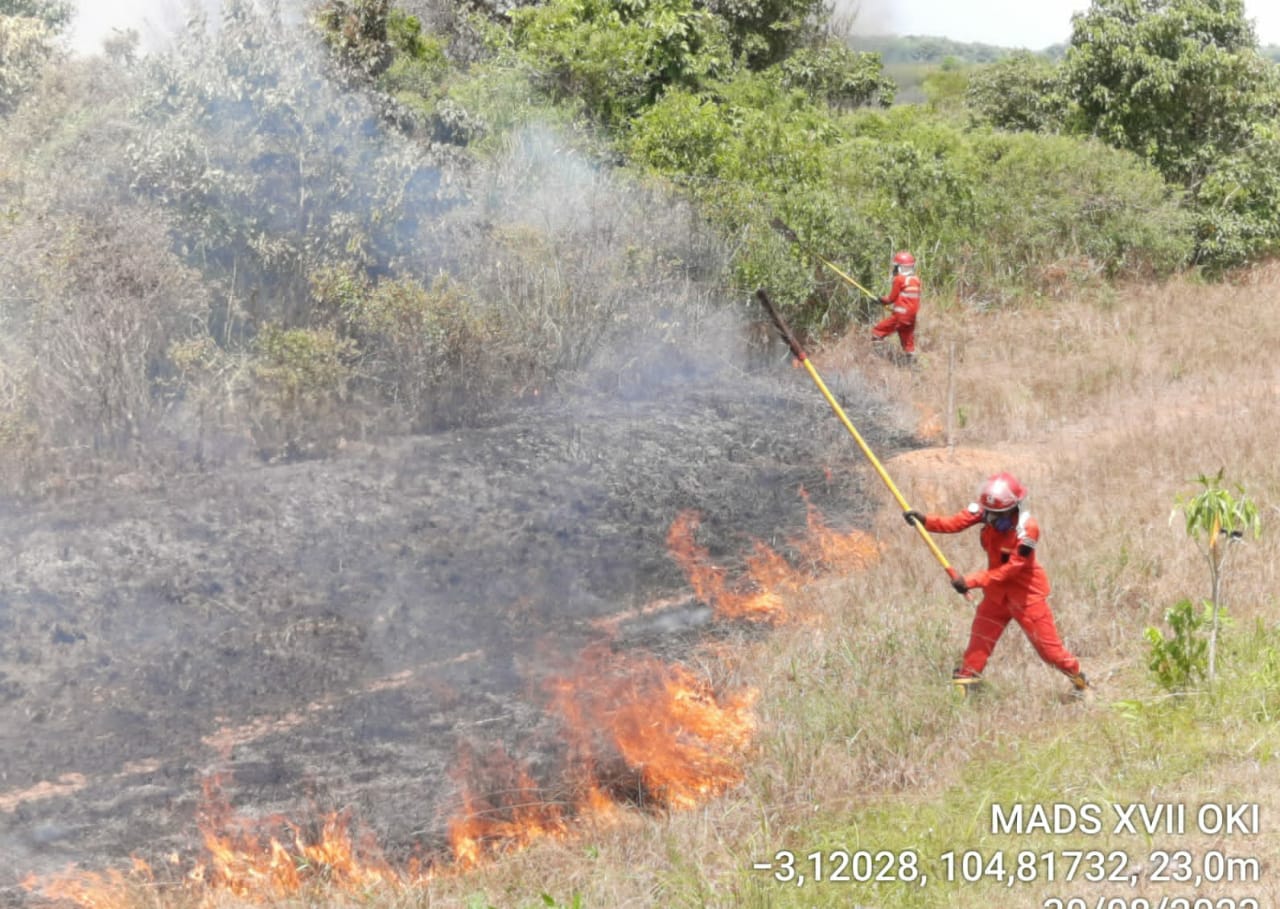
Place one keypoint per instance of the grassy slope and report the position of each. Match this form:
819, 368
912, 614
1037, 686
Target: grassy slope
1109, 402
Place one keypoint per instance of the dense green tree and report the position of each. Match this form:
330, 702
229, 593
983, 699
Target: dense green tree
1237, 201
842, 77
1020, 92
764, 32
1181, 83
616, 58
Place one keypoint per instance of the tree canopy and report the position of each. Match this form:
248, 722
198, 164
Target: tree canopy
28, 29
1180, 82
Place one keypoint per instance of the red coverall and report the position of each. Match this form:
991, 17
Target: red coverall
1014, 587
904, 297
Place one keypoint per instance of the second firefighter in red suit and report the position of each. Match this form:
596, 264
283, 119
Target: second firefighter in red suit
1014, 585
904, 302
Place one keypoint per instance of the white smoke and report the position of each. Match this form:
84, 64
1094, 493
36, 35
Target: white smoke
155, 21
862, 17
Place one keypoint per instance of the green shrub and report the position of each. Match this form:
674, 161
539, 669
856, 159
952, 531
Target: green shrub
1183, 85
683, 134
300, 379
1051, 198
1021, 92
432, 355
1236, 203
839, 76
1180, 661
498, 99
990, 215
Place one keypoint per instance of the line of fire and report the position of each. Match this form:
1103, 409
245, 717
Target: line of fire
639, 734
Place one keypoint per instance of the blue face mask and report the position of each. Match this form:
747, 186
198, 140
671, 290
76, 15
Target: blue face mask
1002, 522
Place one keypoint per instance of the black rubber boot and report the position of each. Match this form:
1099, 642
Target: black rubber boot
1081, 690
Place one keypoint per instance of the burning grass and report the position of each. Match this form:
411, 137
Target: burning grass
248, 860
639, 734
761, 594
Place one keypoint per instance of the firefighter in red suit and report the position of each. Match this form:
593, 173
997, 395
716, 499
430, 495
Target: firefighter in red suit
904, 300
1014, 585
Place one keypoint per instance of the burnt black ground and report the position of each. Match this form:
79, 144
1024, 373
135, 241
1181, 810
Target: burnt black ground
369, 611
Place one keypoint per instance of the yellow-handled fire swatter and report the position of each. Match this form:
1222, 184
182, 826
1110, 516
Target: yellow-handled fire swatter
798, 352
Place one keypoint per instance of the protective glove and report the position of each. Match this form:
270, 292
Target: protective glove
911, 516
959, 584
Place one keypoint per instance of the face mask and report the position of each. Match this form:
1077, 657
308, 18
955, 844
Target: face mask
1002, 522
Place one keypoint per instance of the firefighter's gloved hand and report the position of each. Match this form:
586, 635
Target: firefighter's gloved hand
959, 584
911, 516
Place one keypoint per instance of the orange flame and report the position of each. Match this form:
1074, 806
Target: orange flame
111, 890
639, 731
760, 597
757, 603
241, 862
678, 742
513, 813
831, 550
259, 866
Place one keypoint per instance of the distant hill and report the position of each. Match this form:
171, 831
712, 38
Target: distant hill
908, 59
924, 49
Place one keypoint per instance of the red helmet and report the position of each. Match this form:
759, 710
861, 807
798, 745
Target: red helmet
1001, 492
904, 259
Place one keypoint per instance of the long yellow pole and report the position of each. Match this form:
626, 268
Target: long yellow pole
780, 226
832, 266
800, 355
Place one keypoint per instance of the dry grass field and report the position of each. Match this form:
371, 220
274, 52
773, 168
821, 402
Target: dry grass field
1108, 402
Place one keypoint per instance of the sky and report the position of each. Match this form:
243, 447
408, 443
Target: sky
1032, 24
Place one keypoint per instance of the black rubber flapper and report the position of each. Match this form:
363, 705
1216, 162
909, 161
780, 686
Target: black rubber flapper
781, 227
782, 326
